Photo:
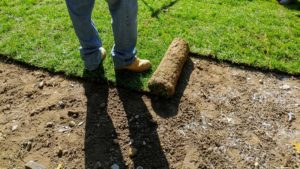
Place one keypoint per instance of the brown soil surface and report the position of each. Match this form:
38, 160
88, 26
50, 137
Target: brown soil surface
222, 116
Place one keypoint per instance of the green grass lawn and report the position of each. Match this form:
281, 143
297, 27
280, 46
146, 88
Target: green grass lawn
260, 33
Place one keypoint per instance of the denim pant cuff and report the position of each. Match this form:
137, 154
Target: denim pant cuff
91, 61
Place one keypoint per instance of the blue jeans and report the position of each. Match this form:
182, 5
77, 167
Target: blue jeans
124, 23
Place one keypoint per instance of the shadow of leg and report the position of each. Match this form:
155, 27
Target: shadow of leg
100, 150
156, 12
142, 131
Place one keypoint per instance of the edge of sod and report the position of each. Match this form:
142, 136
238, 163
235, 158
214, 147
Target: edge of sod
120, 83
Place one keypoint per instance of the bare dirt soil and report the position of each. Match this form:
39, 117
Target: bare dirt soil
222, 116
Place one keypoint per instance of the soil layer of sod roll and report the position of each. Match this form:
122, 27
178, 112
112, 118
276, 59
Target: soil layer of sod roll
164, 80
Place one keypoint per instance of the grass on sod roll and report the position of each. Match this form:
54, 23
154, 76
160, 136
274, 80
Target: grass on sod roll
260, 33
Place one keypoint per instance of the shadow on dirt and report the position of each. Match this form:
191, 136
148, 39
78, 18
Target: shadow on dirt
99, 129
142, 130
99, 146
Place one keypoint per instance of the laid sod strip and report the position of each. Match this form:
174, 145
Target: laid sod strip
259, 33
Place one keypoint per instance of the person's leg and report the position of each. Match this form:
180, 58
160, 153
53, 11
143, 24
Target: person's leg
80, 12
124, 23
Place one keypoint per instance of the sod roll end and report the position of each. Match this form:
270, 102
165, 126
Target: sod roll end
164, 80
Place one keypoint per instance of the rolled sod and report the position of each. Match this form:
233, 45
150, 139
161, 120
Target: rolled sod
164, 80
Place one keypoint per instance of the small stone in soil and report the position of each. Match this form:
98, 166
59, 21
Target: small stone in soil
59, 153
285, 87
29, 95
65, 152
80, 123
41, 84
98, 165
26, 145
291, 116
256, 164
130, 141
29, 146
33, 165
48, 143
72, 124
102, 105
116, 141
14, 127
115, 166
132, 151
7, 107
62, 117
61, 104
60, 166
49, 124
2, 136
153, 121
73, 114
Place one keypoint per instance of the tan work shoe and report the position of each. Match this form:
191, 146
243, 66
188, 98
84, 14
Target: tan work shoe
138, 66
103, 53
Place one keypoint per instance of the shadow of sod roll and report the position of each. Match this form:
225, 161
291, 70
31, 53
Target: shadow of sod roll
164, 80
